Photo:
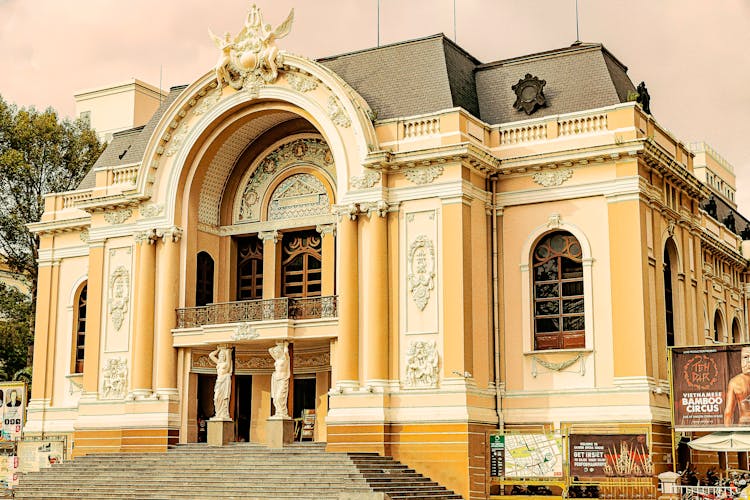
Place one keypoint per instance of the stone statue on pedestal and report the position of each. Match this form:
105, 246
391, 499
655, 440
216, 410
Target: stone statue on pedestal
280, 378
222, 356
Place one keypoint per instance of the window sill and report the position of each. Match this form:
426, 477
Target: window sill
581, 350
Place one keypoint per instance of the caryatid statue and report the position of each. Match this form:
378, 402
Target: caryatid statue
222, 356
280, 378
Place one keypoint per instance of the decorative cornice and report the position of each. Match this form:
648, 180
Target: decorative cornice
423, 175
326, 229
475, 157
59, 226
662, 161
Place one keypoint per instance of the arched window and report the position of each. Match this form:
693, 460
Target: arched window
718, 327
249, 268
79, 329
736, 332
559, 321
204, 279
301, 264
668, 300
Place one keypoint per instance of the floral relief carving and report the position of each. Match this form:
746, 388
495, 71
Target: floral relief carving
117, 216
207, 102
245, 332
151, 210
84, 235
321, 360
366, 180
422, 364
300, 195
119, 296
202, 362
337, 113
115, 378
423, 175
254, 363
176, 140
300, 82
313, 151
421, 278
551, 178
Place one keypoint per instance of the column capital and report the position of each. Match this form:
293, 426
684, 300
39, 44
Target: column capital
171, 233
269, 235
148, 236
379, 208
351, 211
324, 229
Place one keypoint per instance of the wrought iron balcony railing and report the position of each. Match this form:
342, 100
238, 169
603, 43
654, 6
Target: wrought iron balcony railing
257, 310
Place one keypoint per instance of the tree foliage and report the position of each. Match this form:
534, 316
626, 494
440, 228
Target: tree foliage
16, 334
39, 154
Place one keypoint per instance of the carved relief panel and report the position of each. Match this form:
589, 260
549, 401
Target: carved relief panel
118, 299
419, 280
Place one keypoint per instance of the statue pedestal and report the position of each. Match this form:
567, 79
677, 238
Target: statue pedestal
220, 432
279, 431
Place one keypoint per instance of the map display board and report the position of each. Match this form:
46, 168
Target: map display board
533, 455
13, 399
711, 387
609, 455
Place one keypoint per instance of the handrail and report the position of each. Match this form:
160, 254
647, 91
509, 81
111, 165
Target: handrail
257, 310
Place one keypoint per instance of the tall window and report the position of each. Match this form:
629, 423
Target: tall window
249, 268
301, 264
718, 327
736, 333
558, 293
79, 335
668, 302
204, 279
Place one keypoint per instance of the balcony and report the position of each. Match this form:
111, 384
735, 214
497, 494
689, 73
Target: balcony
257, 310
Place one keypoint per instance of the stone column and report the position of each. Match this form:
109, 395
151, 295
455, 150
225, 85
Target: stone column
94, 294
328, 251
376, 294
271, 263
143, 333
347, 348
168, 265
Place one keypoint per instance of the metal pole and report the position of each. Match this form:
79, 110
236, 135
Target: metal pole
454, 21
378, 23
578, 37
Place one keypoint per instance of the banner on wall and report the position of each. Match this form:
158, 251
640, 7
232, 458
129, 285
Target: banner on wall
37, 453
13, 399
609, 455
8, 467
711, 387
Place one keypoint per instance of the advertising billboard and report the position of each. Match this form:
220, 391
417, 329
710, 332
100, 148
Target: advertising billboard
609, 455
711, 387
13, 400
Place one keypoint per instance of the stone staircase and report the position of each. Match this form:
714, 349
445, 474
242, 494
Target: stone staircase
241, 470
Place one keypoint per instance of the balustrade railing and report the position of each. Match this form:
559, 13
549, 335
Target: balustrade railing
257, 310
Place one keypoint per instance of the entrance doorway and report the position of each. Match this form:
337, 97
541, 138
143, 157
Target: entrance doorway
205, 402
304, 394
243, 392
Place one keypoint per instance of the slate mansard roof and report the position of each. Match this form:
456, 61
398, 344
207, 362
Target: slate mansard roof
432, 74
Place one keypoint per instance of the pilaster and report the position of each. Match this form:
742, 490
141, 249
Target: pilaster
271, 263
328, 251
94, 294
347, 348
168, 266
143, 341
376, 292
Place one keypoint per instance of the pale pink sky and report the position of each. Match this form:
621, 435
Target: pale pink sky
693, 54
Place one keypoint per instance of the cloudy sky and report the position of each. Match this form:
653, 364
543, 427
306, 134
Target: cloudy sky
694, 55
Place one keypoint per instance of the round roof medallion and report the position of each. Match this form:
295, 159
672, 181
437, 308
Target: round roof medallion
529, 94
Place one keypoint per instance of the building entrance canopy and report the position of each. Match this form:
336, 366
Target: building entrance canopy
722, 441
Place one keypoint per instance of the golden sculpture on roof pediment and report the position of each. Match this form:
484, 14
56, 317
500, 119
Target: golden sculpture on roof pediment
252, 55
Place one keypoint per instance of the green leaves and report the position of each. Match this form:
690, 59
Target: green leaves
39, 154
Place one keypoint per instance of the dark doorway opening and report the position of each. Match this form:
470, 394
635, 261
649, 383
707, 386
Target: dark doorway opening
243, 392
205, 402
304, 394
